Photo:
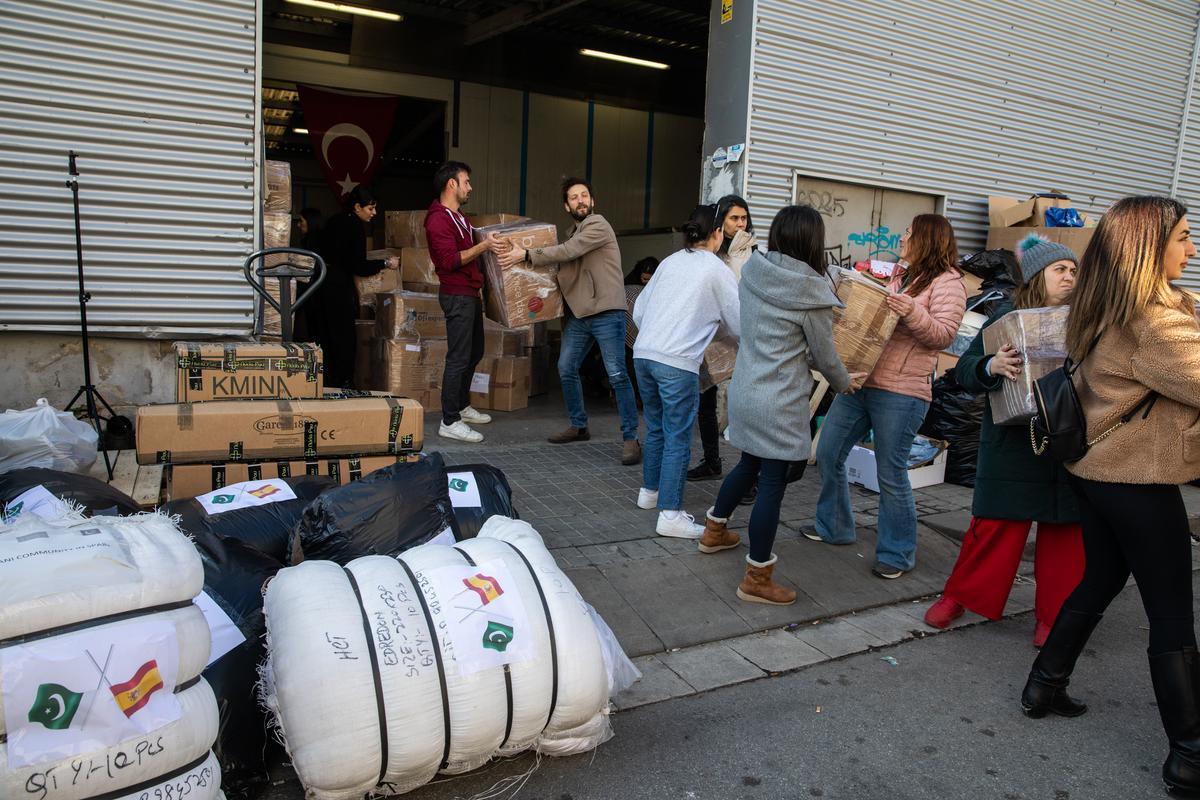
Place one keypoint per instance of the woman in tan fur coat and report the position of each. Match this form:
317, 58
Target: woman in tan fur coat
1137, 340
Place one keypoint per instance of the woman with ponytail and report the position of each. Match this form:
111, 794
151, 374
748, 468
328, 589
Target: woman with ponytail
691, 297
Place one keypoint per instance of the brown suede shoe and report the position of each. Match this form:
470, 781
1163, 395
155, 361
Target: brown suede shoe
717, 537
631, 453
571, 434
757, 586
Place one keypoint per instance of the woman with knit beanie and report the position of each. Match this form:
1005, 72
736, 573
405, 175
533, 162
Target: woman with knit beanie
1013, 487
1136, 339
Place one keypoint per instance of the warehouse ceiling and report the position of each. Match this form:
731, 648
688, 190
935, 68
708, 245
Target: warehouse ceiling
533, 45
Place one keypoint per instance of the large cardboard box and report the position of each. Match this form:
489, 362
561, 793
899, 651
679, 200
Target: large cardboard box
382, 282
1005, 212
501, 383
1040, 335
501, 341
1007, 238
246, 370
277, 232
406, 314
410, 367
863, 327
521, 294
279, 186
417, 267
364, 332
190, 480
488, 220
246, 430
861, 469
404, 229
539, 369
719, 359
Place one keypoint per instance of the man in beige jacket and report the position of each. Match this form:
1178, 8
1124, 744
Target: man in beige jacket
592, 285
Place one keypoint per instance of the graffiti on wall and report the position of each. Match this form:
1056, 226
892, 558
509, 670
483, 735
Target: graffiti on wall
881, 243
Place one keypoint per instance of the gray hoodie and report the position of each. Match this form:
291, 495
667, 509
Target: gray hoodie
787, 329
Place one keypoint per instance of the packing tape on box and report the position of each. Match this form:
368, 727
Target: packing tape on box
394, 424
301, 359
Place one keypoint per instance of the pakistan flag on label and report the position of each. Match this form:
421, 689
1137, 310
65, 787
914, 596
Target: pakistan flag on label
87, 691
245, 495
464, 491
485, 616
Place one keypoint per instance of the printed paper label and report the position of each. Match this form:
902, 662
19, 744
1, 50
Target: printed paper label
464, 493
245, 495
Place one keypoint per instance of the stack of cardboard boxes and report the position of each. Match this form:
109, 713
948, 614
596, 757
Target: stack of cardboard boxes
277, 232
1011, 220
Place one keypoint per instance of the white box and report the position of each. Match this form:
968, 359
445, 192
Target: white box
860, 467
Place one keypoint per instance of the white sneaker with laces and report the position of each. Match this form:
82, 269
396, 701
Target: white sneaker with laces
459, 431
474, 417
682, 526
647, 499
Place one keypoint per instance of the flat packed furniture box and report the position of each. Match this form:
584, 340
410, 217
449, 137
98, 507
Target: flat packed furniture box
246, 430
521, 294
1040, 335
247, 370
190, 480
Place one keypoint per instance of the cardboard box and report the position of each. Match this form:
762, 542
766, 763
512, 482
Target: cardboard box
488, 220
863, 327
410, 367
860, 467
384, 282
973, 284
420, 288
719, 358
400, 315
364, 332
1043, 202
521, 294
1040, 335
501, 383
417, 267
539, 369
404, 229
277, 232
190, 480
1007, 238
245, 370
945, 361
246, 430
1005, 212
501, 341
279, 186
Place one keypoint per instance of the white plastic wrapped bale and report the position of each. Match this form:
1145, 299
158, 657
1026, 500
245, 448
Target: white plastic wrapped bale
128, 764
199, 780
369, 700
60, 572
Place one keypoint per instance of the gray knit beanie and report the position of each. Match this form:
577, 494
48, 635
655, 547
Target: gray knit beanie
1035, 254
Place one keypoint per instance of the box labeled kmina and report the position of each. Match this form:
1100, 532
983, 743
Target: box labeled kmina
247, 370
189, 480
245, 430
1040, 336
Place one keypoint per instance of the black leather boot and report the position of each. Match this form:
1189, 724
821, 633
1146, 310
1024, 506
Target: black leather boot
1046, 690
1176, 677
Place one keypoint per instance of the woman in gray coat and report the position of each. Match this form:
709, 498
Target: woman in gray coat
787, 329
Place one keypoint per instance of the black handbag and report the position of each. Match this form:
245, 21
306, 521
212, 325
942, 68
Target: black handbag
1059, 427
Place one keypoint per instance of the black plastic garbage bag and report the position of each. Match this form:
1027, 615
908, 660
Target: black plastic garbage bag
234, 575
266, 528
495, 497
954, 416
96, 496
383, 513
993, 265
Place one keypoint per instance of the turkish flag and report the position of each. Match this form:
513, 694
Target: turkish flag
348, 133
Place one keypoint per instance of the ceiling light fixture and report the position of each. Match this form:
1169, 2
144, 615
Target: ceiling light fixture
301, 131
348, 9
638, 62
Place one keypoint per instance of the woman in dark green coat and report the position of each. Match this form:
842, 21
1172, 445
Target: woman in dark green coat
1013, 487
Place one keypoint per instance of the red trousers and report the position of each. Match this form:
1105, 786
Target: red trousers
991, 553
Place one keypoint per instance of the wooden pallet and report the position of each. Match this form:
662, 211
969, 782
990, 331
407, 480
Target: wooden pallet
142, 483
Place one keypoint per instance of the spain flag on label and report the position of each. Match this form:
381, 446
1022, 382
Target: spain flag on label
487, 587
134, 693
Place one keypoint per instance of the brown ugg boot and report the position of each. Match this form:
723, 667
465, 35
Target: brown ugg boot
757, 586
716, 537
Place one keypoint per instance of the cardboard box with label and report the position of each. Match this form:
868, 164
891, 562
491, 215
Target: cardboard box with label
246, 430
400, 315
1040, 335
862, 329
410, 367
861, 469
190, 480
501, 383
243, 370
383, 282
404, 229
521, 294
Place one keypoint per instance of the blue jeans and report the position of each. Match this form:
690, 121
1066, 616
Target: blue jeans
670, 397
895, 419
607, 329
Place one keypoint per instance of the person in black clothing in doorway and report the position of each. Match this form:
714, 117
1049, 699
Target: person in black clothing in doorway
343, 245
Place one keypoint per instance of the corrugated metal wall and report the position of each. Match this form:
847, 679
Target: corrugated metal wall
972, 99
158, 99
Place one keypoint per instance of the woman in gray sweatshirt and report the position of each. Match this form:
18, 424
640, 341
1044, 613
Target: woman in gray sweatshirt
787, 304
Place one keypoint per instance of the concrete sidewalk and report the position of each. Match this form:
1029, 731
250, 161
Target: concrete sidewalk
660, 594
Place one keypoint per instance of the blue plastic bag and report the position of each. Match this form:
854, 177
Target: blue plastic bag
1063, 218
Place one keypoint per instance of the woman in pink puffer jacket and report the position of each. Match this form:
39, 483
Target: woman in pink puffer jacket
931, 300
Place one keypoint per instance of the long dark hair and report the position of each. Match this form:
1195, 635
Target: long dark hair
799, 232
727, 204
700, 226
932, 250
647, 264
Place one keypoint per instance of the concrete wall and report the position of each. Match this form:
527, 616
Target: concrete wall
127, 372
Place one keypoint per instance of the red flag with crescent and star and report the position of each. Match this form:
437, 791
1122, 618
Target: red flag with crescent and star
349, 133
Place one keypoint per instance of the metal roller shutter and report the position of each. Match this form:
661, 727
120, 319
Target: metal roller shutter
971, 99
159, 100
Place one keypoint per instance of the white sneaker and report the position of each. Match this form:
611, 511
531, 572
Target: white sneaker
682, 527
647, 499
459, 431
474, 417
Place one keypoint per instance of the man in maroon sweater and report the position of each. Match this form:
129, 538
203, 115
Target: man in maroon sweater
455, 257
